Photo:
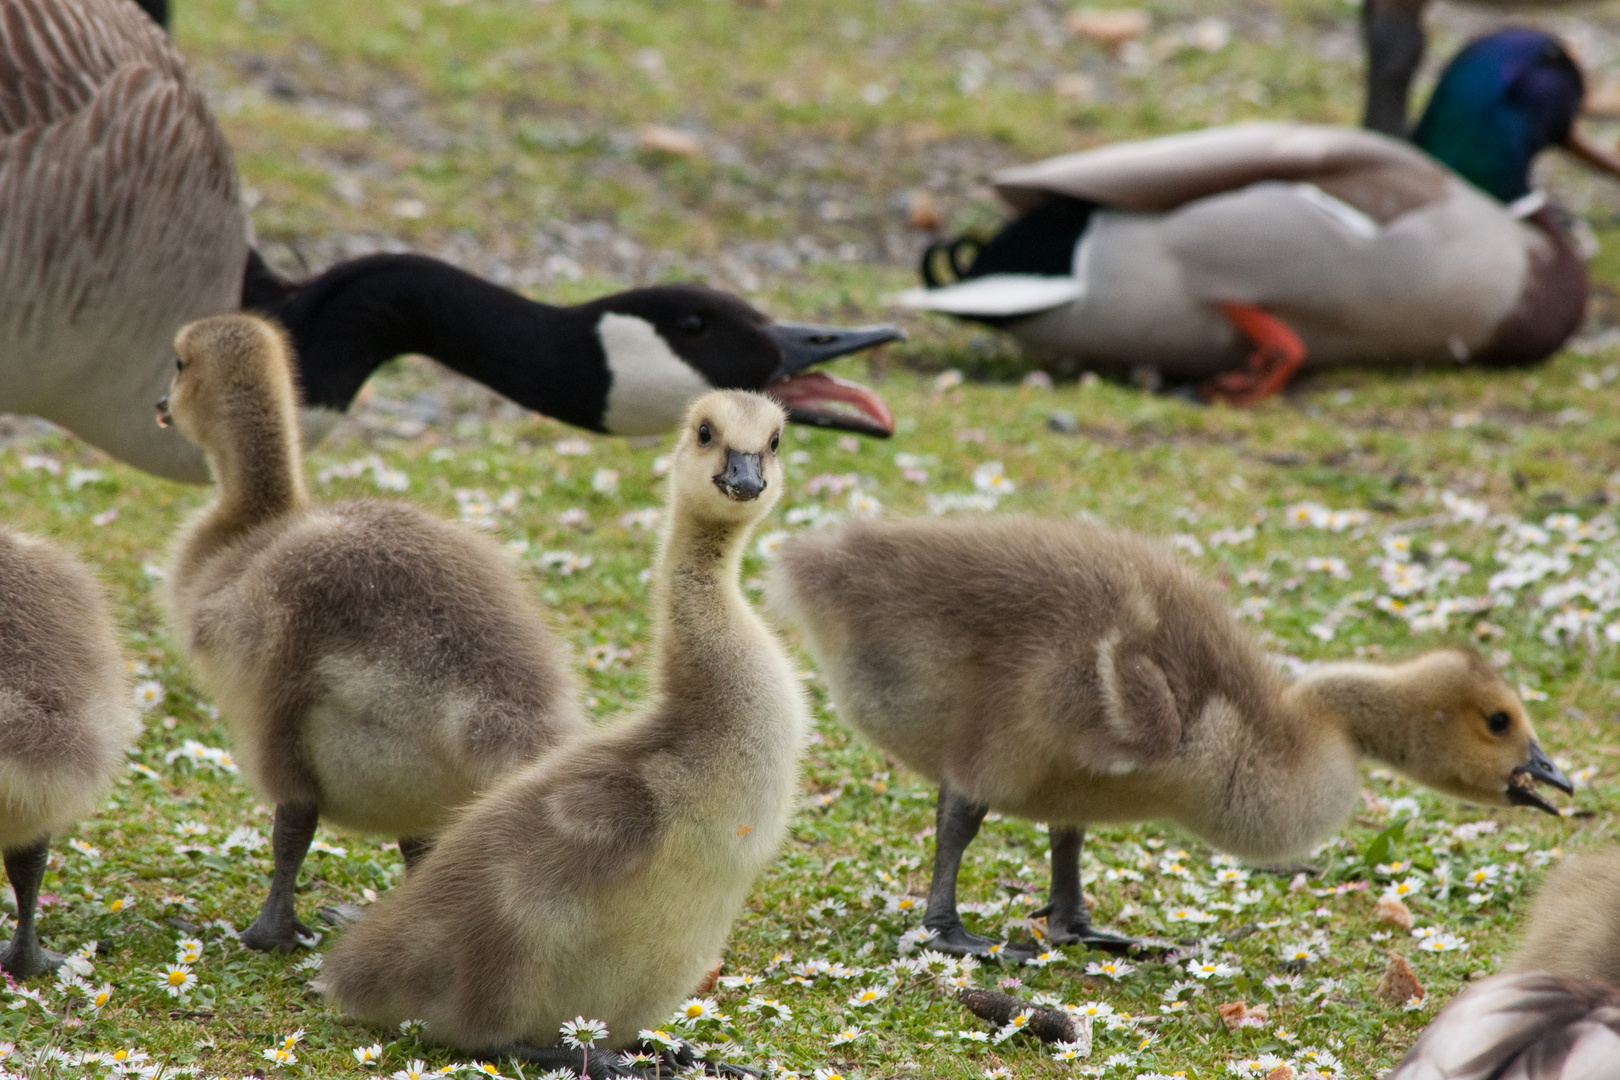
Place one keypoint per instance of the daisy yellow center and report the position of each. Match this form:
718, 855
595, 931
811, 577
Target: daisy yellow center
176, 978
694, 1010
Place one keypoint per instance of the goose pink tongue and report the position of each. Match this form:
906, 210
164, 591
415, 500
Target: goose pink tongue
811, 398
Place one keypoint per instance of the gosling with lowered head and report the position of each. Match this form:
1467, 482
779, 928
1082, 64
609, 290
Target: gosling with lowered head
1071, 673
601, 880
376, 666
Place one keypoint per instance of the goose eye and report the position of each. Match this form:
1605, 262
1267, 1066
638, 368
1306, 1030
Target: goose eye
179, 364
776, 438
705, 434
690, 324
1498, 722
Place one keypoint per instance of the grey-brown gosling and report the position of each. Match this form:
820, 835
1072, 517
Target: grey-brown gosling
1073, 673
601, 880
66, 717
1555, 1013
376, 666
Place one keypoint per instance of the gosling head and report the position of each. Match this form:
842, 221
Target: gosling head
1479, 744
726, 467
225, 366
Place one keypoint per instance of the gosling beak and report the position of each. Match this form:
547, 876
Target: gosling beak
1590, 154
815, 398
1521, 789
163, 417
742, 479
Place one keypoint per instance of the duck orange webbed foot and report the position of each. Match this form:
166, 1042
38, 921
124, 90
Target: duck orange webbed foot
1278, 354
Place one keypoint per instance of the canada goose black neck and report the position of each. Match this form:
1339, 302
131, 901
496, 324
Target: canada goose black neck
349, 321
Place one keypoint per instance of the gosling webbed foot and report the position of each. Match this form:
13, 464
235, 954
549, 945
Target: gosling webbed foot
271, 934
956, 941
23, 959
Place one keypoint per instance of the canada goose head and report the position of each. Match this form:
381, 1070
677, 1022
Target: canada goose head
233, 379
666, 344
726, 469
1474, 739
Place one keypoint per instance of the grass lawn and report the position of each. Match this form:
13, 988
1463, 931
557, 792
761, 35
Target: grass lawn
1364, 514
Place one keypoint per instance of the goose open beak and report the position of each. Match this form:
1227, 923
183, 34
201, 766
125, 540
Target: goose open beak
818, 399
163, 417
1591, 154
1522, 781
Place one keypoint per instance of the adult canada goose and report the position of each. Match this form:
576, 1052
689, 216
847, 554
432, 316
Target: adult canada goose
123, 221
65, 718
1311, 246
1393, 32
550, 897
1555, 1014
1072, 673
158, 10
376, 666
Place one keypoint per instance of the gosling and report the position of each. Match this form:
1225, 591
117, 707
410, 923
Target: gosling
1072, 673
601, 880
66, 717
1555, 1014
377, 666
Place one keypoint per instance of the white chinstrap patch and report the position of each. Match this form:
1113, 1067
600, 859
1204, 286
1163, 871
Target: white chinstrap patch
651, 385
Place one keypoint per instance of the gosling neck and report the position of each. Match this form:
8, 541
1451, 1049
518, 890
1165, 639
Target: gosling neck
699, 563
259, 470
1366, 702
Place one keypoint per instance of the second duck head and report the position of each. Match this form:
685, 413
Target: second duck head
726, 468
1502, 100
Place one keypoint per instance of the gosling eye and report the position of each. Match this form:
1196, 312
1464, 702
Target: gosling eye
1498, 722
776, 438
691, 324
705, 434
179, 364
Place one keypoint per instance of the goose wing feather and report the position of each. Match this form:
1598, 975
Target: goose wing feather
1156, 175
55, 55
123, 221
1531, 1026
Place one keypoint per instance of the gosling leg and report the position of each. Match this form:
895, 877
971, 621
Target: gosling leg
277, 928
23, 957
1068, 922
1393, 32
412, 848
956, 823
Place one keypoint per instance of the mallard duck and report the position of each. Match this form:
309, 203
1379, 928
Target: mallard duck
601, 881
1555, 1013
66, 719
1072, 673
123, 220
1393, 32
376, 666
1300, 245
